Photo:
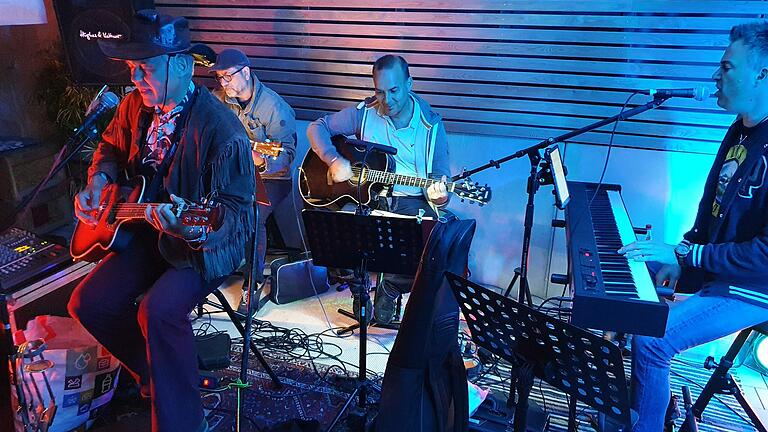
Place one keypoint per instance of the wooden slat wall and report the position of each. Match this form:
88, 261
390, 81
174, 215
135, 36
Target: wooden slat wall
528, 69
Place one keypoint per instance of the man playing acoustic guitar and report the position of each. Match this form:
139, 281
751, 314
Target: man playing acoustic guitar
396, 117
175, 133
265, 116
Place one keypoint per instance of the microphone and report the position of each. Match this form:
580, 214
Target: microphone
698, 93
106, 102
370, 146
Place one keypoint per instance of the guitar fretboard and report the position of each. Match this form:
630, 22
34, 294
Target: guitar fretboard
376, 176
130, 210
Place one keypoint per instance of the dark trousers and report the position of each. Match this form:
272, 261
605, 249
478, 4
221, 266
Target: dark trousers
277, 192
152, 336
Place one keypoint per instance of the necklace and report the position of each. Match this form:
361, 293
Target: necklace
745, 131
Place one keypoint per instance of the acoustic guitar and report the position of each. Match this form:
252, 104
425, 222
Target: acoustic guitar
372, 176
120, 205
267, 148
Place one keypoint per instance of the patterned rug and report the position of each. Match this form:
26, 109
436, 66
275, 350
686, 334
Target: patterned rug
319, 392
308, 393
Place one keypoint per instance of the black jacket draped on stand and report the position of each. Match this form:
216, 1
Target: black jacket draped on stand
425, 383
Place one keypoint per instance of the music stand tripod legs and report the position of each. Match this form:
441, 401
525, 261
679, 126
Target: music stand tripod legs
369, 243
245, 330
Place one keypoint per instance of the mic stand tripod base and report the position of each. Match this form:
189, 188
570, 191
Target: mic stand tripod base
493, 415
360, 416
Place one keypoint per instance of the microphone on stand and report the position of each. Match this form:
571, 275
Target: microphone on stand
372, 146
106, 102
698, 93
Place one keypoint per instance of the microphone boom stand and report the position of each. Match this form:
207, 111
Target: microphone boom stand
81, 136
533, 184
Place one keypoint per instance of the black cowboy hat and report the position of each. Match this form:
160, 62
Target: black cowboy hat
153, 34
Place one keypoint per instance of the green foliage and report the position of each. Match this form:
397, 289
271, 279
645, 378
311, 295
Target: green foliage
64, 101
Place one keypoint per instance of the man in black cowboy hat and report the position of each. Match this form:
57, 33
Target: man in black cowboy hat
189, 146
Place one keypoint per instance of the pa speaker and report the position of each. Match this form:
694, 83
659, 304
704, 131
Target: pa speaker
82, 23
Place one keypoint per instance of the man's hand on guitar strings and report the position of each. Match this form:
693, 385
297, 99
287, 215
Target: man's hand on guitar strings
88, 200
258, 159
340, 170
163, 218
437, 192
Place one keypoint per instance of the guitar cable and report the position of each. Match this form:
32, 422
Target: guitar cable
297, 217
605, 164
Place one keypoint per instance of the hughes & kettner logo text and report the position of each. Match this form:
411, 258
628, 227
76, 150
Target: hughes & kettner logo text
100, 35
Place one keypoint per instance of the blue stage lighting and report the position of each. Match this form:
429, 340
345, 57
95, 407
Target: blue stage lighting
761, 353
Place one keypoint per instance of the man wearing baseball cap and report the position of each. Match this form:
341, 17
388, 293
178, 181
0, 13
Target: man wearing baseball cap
188, 146
266, 117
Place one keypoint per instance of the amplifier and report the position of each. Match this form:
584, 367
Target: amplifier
51, 209
48, 296
21, 169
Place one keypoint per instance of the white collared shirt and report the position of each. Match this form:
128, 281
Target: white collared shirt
380, 129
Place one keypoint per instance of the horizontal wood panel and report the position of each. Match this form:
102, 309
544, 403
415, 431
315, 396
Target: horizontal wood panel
615, 6
705, 23
466, 47
717, 39
561, 108
362, 86
529, 69
576, 66
538, 77
364, 82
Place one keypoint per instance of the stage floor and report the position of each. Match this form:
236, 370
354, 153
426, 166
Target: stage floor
318, 314
312, 392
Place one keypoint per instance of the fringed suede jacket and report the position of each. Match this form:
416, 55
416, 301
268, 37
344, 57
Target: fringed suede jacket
213, 155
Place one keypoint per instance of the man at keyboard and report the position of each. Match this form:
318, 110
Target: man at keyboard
725, 254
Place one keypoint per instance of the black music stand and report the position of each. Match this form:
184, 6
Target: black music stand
581, 364
376, 243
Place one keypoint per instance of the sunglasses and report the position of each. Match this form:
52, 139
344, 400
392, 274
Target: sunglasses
228, 77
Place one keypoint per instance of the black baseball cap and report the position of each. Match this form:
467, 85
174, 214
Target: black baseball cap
228, 58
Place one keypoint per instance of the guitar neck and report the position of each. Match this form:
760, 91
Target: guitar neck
131, 211
389, 178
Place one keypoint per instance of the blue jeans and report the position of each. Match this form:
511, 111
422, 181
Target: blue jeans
693, 322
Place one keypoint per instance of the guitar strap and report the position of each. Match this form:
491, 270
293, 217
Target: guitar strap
156, 184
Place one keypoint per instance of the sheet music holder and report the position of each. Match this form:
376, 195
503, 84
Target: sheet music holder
583, 365
389, 244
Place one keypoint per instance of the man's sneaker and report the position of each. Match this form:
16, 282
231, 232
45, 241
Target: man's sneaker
384, 304
259, 292
673, 413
